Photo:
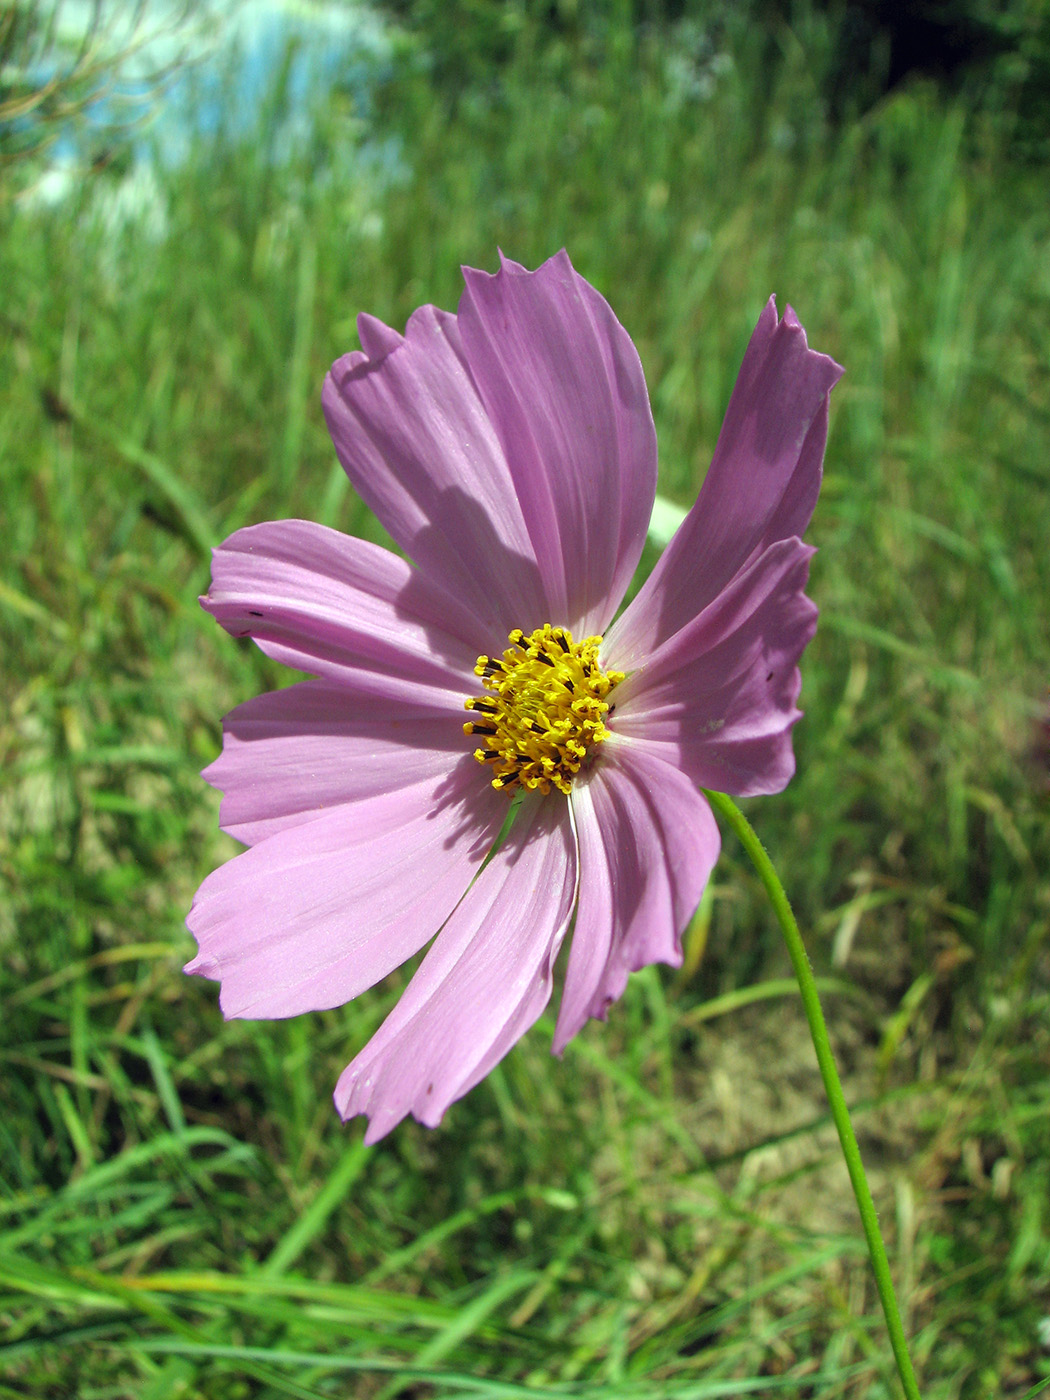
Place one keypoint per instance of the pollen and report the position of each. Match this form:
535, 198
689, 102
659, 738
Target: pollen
545, 709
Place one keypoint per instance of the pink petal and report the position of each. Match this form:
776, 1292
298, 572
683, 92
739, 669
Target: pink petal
564, 387
325, 602
718, 698
291, 754
761, 486
648, 843
311, 917
414, 438
480, 987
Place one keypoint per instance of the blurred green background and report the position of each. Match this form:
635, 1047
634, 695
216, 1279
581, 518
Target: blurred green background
662, 1213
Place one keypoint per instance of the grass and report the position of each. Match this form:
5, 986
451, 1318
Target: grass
662, 1213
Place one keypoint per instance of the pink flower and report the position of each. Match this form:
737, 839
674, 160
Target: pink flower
510, 452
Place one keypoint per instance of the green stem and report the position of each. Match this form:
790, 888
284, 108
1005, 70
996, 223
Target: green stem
727, 808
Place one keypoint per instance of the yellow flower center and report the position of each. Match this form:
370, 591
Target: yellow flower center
544, 712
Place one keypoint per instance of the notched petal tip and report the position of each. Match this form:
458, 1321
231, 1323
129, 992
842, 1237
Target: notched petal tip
557, 269
376, 337
210, 773
342, 373
832, 369
380, 1119
508, 265
202, 966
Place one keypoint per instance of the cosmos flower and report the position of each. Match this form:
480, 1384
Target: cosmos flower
510, 452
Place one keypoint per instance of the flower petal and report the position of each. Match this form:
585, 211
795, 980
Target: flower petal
289, 755
648, 842
717, 700
761, 486
564, 387
480, 987
325, 602
414, 438
311, 917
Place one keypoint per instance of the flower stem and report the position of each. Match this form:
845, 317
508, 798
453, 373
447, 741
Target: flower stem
727, 808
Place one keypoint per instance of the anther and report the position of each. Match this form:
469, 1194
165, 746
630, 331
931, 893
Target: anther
544, 714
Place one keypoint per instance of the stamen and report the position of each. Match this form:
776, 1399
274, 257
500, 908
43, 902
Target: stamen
546, 711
